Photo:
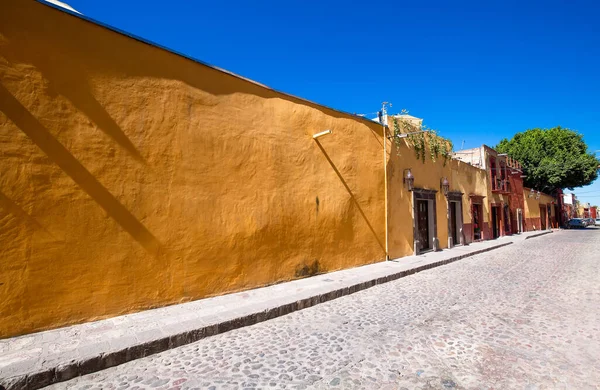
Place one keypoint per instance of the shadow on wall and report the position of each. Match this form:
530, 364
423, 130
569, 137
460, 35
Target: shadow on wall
25, 121
13, 208
82, 49
68, 78
400, 209
339, 175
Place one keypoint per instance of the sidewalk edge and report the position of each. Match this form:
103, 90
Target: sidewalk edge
539, 234
106, 360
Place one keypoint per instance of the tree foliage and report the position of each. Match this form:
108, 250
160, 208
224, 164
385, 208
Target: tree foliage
552, 158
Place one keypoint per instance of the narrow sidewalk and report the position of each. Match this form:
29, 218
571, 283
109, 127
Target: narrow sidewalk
37, 360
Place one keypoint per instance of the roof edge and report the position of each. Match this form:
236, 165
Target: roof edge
200, 62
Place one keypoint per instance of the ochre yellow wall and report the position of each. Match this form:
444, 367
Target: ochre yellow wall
400, 202
133, 178
532, 205
532, 209
470, 181
428, 175
546, 200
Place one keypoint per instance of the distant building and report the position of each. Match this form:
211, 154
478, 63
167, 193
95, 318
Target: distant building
513, 208
584, 210
594, 212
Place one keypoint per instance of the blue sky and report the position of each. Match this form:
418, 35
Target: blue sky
477, 71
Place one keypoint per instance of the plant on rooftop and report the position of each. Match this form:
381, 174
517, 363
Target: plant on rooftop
425, 136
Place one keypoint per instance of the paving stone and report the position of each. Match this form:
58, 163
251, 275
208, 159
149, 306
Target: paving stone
522, 317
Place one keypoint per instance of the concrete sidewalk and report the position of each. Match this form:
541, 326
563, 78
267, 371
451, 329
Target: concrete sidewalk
36, 360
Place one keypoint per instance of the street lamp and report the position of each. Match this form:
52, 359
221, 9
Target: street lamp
409, 179
445, 186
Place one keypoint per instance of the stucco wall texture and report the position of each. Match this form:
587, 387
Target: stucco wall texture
470, 181
428, 174
133, 178
532, 209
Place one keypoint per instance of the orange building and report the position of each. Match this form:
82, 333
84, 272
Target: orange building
134, 177
540, 213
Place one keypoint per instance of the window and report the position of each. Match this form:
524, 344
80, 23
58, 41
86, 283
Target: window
494, 174
503, 178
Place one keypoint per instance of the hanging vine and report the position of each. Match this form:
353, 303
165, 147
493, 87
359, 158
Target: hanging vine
418, 137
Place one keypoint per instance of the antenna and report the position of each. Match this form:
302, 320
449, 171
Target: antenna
462, 146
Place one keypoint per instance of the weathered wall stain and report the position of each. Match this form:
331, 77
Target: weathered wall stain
308, 269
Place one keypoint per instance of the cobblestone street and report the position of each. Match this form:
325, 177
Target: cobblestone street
526, 316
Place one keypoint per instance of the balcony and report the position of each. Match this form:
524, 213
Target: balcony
500, 186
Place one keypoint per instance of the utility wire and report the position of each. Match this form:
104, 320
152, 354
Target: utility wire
587, 192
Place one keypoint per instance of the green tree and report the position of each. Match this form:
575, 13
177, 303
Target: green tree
552, 158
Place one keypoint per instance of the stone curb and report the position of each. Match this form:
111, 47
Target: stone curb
110, 359
539, 234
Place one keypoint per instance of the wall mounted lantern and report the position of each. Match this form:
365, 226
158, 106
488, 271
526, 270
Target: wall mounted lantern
531, 193
409, 179
537, 196
445, 186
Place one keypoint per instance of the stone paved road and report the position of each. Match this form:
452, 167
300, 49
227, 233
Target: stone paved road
523, 317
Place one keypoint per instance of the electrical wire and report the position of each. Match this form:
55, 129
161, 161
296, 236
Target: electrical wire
587, 192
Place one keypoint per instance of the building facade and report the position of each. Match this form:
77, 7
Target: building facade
540, 210
134, 177
569, 207
513, 208
504, 202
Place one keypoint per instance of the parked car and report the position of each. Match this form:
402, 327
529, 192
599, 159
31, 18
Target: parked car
577, 223
597, 223
590, 221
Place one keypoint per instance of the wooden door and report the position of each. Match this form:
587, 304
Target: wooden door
495, 223
423, 223
543, 217
453, 219
507, 224
477, 222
